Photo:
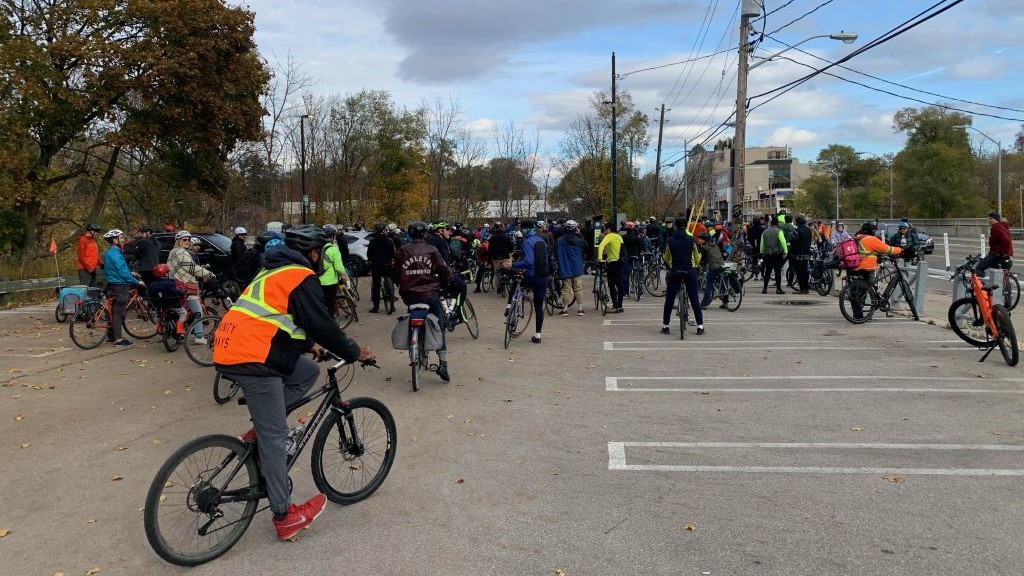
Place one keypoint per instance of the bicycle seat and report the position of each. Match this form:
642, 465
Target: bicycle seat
419, 307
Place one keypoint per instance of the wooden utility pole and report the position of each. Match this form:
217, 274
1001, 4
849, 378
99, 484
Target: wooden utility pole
657, 159
749, 8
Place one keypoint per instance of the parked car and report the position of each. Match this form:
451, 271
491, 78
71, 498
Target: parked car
927, 242
215, 251
356, 262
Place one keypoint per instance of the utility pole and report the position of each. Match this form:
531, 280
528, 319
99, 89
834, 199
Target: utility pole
749, 9
615, 212
302, 146
686, 176
657, 158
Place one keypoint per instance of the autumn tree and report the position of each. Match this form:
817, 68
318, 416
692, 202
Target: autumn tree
933, 170
82, 81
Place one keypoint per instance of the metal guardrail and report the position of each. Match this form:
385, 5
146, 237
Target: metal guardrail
9, 287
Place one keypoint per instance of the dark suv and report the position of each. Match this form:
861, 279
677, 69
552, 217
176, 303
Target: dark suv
215, 251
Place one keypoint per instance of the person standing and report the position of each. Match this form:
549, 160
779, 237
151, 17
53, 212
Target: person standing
1000, 244
120, 281
610, 251
712, 261
381, 252
754, 233
632, 249
238, 245
773, 250
533, 262
800, 254
569, 249
88, 255
333, 270
678, 255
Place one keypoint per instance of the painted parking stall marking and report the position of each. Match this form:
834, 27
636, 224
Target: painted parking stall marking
683, 384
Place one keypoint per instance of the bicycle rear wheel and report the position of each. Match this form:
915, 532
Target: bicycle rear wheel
469, 317
486, 280
682, 310
346, 311
857, 293
824, 283
415, 362
1007, 339
1011, 291
199, 347
525, 315
140, 319
88, 328
185, 497
354, 450
224, 388
735, 296
388, 295
510, 324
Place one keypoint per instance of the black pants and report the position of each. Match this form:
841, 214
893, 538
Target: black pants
614, 278
539, 286
376, 276
773, 263
331, 297
802, 273
992, 260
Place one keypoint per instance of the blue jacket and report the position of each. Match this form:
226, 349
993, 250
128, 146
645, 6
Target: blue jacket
115, 269
525, 261
569, 252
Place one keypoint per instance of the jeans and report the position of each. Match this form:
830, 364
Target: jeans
197, 313
672, 282
267, 398
709, 285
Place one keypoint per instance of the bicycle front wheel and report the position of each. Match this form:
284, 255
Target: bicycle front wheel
189, 520
199, 340
140, 319
735, 296
1007, 338
1011, 291
965, 320
353, 450
88, 328
654, 282
388, 296
469, 317
824, 284
346, 312
224, 388
486, 280
856, 302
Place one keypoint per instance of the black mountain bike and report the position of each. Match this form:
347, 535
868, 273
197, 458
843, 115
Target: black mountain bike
206, 494
860, 297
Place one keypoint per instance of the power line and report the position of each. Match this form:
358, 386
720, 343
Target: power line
895, 83
801, 17
697, 48
765, 16
698, 41
688, 60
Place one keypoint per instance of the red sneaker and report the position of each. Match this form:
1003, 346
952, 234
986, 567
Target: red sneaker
299, 517
248, 436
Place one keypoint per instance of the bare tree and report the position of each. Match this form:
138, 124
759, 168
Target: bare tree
288, 80
441, 117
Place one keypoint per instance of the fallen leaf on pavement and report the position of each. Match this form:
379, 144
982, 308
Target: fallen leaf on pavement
450, 416
559, 572
894, 479
19, 417
355, 466
690, 528
25, 445
93, 570
120, 448
156, 441
460, 481
4, 532
857, 428
90, 521
116, 478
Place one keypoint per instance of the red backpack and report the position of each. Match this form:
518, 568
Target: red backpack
847, 254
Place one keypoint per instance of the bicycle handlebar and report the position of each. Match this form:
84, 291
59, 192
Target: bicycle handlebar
371, 362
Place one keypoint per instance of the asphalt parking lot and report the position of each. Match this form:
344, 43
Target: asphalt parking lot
784, 441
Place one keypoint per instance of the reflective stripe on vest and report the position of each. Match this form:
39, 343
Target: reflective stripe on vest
251, 304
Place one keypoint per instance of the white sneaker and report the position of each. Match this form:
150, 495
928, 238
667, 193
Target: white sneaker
200, 341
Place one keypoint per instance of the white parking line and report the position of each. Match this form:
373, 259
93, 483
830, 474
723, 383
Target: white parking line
705, 344
612, 384
42, 355
617, 458
657, 321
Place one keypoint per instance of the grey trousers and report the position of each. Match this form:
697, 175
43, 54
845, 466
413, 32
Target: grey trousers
267, 397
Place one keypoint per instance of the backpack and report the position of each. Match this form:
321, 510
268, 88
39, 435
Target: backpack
847, 254
455, 247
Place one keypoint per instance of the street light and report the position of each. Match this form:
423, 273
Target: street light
890, 162
750, 10
302, 146
999, 145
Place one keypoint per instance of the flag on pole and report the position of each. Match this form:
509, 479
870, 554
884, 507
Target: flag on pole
53, 246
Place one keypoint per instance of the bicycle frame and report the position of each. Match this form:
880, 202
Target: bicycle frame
984, 299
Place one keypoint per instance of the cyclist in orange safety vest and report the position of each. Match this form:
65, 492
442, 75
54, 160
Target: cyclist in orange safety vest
260, 343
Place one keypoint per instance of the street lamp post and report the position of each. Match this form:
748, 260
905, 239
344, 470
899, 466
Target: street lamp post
302, 153
890, 162
837, 194
751, 9
999, 161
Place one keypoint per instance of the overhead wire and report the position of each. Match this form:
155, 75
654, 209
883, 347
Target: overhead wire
801, 17
698, 42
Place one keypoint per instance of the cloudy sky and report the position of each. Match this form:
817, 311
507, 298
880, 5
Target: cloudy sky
537, 62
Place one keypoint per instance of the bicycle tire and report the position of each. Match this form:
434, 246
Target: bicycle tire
1007, 339
470, 319
525, 315
181, 501
201, 354
824, 283
346, 312
140, 319
170, 339
388, 296
509, 328
88, 328
486, 280
654, 282
735, 296
963, 315
682, 311
857, 290
1011, 291
414, 363
747, 274
59, 314
375, 428
224, 389
549, 306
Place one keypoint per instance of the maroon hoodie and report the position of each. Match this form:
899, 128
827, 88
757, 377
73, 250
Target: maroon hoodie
999, 239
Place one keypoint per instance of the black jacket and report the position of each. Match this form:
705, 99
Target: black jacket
309, 311
500, 245
237, 249
144, 253
380, 251
631, 242
801, 244
754, 233
441, 244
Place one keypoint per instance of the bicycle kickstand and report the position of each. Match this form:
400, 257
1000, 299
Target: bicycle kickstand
991, 347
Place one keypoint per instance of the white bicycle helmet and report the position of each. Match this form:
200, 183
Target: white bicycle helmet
240, 230
113, 233
196, 241
182, 234
571, 224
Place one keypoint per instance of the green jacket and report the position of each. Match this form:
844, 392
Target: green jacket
333, 266
907, 242
773, 242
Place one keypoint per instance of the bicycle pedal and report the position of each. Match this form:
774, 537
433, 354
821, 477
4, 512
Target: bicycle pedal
432, 367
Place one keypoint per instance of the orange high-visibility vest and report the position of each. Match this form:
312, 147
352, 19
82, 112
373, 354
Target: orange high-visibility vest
244, 334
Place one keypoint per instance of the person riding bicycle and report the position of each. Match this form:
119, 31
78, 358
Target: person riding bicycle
380, 251
145, 252
334, 272
419, 272
1000, 245
184, 268
533, 262
678, 255
870, 247
120, 281
259, 344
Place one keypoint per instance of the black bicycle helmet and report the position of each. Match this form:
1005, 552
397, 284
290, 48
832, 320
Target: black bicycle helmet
267, 236
92, 227
146, 228
418, 229
869, 226
330, 230
378, 227
305, 238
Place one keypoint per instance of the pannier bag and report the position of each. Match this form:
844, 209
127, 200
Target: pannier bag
431, 333
847, 255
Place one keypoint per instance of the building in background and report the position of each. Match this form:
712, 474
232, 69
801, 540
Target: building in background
771, 178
